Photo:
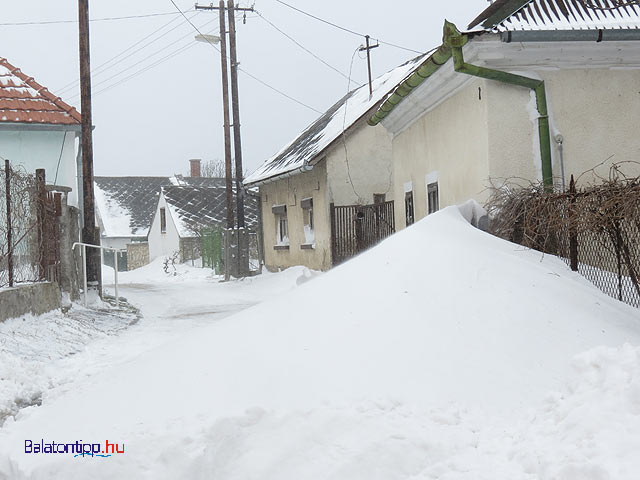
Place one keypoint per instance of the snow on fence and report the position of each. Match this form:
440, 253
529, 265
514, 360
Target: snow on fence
595, 229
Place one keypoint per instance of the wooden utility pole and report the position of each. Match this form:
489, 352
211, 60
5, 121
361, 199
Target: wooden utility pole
368, 49
235, 104
225, 108
89, 233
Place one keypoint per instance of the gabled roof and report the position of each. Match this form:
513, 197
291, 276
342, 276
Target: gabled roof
195, 207
513, 15
23, 100
126, 205
320, 134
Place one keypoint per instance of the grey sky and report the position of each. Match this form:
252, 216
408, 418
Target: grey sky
154, 122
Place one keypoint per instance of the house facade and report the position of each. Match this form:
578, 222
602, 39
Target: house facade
525, 94
338, 161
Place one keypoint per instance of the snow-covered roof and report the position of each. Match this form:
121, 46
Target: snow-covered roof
507, 15
125, 205
196, 207
321, 133
23, 100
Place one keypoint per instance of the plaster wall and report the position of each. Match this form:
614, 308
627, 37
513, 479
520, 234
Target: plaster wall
449, 142
44, 149
161, 244
290, 191
364, 168
595, 110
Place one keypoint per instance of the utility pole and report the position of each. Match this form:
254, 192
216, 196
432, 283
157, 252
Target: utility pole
89, 233
368, 49
242, 236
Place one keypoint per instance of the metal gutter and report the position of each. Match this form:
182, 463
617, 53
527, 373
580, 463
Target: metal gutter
428, 68
40, 127
571, 36
455, 41
304, 168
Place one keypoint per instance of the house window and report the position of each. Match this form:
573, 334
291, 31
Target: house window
282, 225
433, 202
163, 221
408, 208
307, 217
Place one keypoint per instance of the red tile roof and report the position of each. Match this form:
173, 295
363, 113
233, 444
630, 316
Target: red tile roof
23, 100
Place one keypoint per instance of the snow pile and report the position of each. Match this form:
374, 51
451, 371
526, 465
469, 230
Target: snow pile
429, 356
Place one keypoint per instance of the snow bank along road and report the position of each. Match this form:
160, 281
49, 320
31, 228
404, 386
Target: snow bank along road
442, 353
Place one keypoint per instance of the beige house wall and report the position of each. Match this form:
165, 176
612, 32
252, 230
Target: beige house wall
361, 170
451, 141
595, 110
290, 191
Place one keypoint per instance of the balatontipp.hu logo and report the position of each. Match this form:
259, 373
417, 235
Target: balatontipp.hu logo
77, 449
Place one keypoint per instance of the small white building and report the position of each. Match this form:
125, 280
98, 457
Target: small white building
183, 211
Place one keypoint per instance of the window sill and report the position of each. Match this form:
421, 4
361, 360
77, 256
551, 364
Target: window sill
308, 246
281, 247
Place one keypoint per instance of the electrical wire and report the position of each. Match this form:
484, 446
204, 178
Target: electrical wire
157, 52
244, 71
102, 67
301, 46
344, 29
106, 19
344, 135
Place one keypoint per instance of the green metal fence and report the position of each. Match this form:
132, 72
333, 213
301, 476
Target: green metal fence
212, 249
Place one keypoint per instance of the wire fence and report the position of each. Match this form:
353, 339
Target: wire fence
595, 229
18, 227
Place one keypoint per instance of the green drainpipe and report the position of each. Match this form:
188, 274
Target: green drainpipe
456, 40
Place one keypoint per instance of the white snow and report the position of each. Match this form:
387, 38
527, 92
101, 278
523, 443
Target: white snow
434, 355
359, 103
115, 218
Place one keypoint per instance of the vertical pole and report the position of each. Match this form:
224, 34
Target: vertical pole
115, 275
84, 273
89, 229
7, 172
235, 103
41, 196
225, 108
573, 236
369, 65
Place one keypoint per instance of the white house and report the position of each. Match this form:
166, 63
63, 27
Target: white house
39, 130
537, 89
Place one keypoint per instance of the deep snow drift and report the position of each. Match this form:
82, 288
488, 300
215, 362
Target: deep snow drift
432, 355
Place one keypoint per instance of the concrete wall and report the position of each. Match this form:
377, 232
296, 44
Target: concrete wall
137, 255
42, 149
161, 244
290, 191
595, 110
449, 143
37, 298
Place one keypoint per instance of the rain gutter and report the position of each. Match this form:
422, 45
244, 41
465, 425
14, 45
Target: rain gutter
428, 68
455, 41
571, 36
304, 168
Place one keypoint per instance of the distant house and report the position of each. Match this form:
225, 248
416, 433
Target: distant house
39, 130
125, 208
184, 211
314, 192
538, 89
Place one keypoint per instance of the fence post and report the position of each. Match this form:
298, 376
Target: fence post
7, 172
573, 236
41, 199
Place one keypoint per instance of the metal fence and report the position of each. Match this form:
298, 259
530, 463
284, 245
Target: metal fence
596, 230
355, 228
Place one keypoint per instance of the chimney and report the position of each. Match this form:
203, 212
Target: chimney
195, 167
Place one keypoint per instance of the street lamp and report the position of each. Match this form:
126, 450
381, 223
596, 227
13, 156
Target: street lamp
208, 38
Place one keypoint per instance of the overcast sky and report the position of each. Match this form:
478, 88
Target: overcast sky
154, 110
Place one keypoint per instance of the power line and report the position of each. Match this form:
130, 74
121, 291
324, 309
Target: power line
105, 19
301, 46
244, 71
344, 29
100, 68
